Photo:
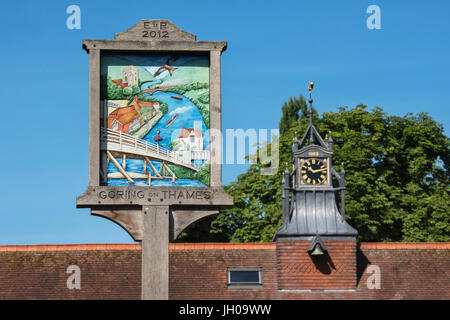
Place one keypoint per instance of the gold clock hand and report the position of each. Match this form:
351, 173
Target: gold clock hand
318, 170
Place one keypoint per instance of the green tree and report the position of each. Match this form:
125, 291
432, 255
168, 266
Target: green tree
291, 112
203, 174
135, 90
398, 173
397, 177
112, 91
127, 91
164, 107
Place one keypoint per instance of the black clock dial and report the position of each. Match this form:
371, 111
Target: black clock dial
314, 171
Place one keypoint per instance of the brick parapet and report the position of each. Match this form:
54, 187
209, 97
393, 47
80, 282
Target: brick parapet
198, 271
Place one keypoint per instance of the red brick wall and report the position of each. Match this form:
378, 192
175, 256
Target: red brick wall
297, 270
408, 270
198, 271
32, 273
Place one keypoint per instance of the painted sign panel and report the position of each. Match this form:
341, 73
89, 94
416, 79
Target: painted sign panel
155, 120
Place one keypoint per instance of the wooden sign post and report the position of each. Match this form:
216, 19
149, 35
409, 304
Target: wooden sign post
155, 147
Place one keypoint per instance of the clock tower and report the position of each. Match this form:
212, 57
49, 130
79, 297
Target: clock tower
313, 228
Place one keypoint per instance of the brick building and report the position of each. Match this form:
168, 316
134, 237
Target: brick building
200, 271
314, 255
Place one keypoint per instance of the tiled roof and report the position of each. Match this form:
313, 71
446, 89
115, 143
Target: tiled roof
212, 246
119, 83
185, 132
123, 115
405, 245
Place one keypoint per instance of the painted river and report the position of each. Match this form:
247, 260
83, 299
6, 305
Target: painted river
188, 113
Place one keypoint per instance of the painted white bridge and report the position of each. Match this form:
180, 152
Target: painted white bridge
114, 143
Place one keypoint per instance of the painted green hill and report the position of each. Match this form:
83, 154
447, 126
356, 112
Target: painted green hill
192, 71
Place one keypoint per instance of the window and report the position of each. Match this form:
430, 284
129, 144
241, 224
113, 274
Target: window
241, 277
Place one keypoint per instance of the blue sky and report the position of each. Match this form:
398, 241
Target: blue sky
274, 50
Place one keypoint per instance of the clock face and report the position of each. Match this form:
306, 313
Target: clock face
314, 171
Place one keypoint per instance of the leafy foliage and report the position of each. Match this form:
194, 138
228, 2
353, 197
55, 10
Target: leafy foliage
397, 178
292, 111
112, 91
188, 87
397, 173
201, 101
202, 175
127, 91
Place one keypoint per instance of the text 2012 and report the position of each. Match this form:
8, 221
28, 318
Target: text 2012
155, 34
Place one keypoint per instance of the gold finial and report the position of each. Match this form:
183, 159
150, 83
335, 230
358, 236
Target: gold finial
310, 87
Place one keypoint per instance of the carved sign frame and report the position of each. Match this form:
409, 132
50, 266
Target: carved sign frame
124, 205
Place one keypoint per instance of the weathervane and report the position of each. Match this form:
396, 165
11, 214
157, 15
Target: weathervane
310, 87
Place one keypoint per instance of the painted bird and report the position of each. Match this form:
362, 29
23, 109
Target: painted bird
166, 67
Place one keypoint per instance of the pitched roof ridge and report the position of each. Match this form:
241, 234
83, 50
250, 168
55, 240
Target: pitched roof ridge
223, 246
136, 246
210, 246
405, 245
70, 247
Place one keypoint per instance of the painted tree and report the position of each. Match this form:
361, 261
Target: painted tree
111, 91
127, 91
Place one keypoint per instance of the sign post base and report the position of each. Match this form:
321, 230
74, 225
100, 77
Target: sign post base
155, 253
